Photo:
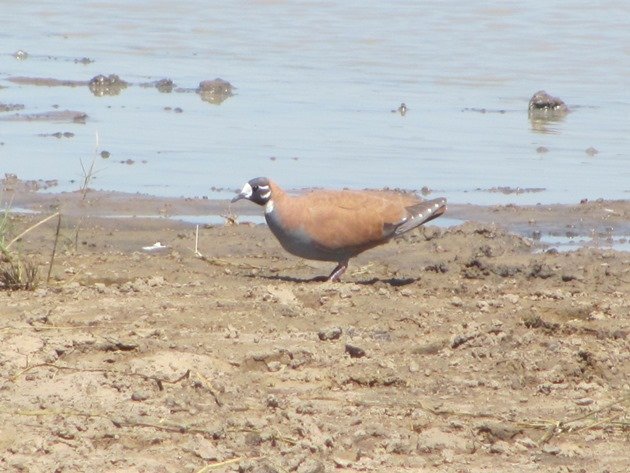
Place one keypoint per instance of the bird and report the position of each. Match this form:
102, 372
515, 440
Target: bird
336, 225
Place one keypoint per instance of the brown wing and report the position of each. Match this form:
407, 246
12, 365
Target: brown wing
347, 218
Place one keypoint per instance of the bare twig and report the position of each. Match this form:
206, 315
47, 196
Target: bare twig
52, 257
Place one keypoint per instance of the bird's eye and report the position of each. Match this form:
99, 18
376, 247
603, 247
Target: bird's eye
255, 188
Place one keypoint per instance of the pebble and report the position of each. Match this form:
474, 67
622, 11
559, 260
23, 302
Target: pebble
584, 401
483, 306
155, 281
511, 298
272, 401
342, 462
551, 449
330, 333
100, 287
140, 396
355, 352
311, 466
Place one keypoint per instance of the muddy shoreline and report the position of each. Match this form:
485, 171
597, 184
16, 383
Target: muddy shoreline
601, 223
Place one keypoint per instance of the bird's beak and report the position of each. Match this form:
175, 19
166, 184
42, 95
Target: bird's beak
246, 193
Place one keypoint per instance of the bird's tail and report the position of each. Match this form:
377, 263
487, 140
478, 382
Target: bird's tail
420, 214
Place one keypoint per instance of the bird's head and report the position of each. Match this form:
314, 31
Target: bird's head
257, 190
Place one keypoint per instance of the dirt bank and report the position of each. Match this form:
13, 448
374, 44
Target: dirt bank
451, 350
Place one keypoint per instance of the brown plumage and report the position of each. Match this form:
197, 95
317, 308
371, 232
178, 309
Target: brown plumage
337, 225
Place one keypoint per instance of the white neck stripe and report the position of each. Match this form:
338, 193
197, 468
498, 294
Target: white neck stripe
269, 206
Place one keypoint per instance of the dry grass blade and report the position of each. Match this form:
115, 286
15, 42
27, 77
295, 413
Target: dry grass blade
572, 425
159, 381
178, 428
214, 466
15, 273
52, 412
222, 262
205, 383
32, 227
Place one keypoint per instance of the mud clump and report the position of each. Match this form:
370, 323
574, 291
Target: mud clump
11, 183
215, 91
164, 86
106, 85
11, 107
543, 103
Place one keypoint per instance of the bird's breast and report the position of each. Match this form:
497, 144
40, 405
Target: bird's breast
296, 240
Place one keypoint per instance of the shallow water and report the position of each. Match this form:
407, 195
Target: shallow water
316, 82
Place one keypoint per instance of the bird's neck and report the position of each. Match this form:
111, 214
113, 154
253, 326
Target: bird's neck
277, 196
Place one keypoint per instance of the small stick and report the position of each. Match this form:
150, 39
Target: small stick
52, 257
197, 242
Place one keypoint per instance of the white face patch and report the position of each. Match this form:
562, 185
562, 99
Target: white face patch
269, 206
266, 194
247, 191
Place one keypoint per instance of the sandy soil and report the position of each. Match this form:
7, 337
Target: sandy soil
456, 350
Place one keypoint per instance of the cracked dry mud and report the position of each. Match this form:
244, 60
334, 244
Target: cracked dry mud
477, 355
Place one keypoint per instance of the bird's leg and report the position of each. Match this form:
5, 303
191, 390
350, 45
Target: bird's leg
335, 276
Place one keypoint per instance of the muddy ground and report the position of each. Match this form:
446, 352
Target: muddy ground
458, 350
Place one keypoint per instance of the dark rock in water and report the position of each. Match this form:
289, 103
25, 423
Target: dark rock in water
215, 91
542, 102
83, 60
20, 55
106, 85
403, 109
165, 86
